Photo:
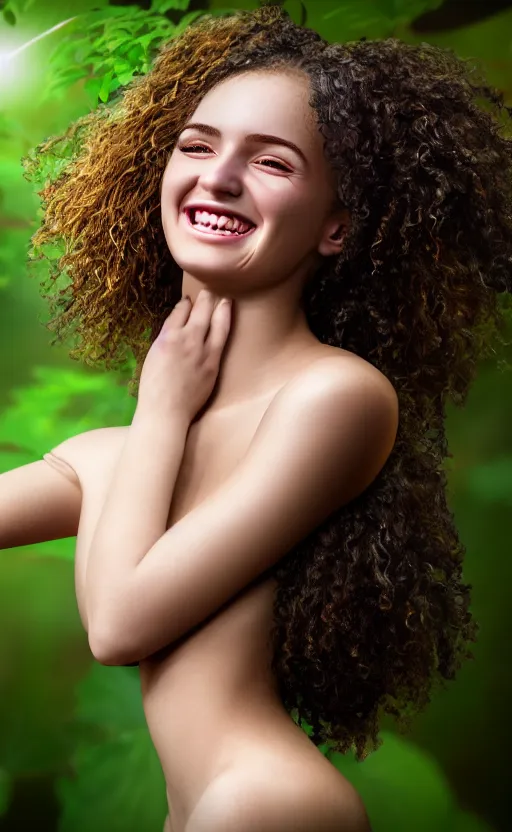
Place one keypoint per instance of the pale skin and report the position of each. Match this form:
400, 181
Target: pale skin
148, 576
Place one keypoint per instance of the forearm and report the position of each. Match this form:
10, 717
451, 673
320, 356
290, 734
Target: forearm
135, 513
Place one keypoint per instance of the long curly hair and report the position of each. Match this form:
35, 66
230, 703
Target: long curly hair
370, 611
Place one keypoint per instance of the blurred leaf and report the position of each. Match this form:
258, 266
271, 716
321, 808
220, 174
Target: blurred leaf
119, 784
355, 16
186, 20
43, 654
104, 90
492, 481
111, 697
37, 419
9, 17
402, 787
162, 6
59, 404
92, 48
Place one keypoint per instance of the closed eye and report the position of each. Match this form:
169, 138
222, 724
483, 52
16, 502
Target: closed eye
196, 147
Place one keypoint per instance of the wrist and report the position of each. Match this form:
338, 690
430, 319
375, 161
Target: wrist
153, 419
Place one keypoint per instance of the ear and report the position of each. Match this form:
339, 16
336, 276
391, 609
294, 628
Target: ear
334, 233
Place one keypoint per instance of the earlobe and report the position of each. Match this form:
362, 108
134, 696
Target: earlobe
334, 242
335, 235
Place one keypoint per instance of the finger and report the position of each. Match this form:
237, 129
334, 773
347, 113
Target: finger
180, 314
219, 329
201, 314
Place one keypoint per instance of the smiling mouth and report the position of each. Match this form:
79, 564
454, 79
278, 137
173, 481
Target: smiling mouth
214, 231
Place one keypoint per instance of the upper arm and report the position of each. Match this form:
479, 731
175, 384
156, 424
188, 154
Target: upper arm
43, 500
40, 501
320, 444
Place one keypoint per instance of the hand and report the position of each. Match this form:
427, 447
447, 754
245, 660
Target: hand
182, 365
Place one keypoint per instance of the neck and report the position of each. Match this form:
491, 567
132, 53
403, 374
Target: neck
268, 331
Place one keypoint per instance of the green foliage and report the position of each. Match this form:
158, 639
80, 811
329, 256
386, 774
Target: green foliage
350, 19
109, 47
118, 782
401, 770
115, 780
60, 403
43, 654
403, 788
119, 786
15, 210
358, 15
13, 9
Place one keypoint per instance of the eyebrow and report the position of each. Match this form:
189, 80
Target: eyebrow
251, 137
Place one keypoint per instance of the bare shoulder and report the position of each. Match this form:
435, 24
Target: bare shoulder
85, 451
343, 388
340, 367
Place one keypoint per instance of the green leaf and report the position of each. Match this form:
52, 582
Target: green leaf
145, 40
105, 88
9, 17
186, 20
162, 6
118, 785
106, 12
93, 86
111, 698
375, 18
121, 65
57, 404
135, 55
398, 782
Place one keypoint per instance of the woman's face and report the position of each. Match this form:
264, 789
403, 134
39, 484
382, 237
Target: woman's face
287, 193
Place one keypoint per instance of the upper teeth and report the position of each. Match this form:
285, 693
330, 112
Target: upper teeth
221, 221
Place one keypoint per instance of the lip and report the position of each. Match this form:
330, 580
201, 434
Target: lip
212, 236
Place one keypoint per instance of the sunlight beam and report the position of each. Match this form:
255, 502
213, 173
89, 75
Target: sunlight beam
8, 56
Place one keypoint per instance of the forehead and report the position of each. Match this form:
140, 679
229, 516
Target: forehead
261, 102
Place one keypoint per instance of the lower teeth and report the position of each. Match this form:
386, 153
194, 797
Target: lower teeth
217, 230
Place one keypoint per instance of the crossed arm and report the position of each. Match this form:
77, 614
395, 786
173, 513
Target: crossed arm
321, 442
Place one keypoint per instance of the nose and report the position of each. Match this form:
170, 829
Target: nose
222, 176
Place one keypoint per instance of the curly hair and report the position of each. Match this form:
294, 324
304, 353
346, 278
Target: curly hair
370, 611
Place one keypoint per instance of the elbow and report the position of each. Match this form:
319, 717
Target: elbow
107, 646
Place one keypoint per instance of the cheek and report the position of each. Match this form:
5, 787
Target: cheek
172, 191
171, 174
299, 218
168, 180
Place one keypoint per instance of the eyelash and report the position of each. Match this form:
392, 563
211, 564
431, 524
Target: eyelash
194, 146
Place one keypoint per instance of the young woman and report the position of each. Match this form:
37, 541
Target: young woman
270, 537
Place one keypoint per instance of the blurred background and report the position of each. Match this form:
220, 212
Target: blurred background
75, 755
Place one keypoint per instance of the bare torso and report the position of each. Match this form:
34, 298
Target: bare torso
210, 699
